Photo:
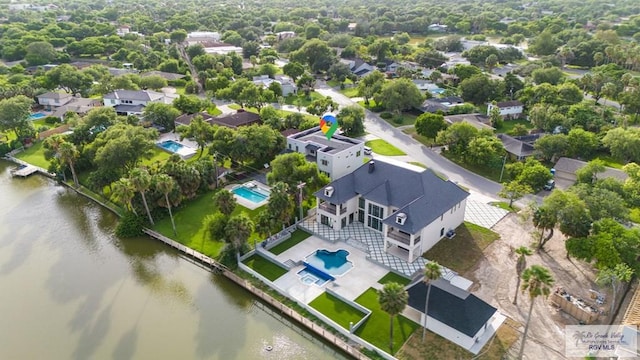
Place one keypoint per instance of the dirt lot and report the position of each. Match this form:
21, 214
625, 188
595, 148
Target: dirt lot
495, 282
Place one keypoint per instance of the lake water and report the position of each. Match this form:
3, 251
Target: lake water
70, 289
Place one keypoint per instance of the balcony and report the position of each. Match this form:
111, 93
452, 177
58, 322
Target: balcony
331, 208
402, 237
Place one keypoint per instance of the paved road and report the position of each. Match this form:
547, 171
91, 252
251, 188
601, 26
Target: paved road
379, 127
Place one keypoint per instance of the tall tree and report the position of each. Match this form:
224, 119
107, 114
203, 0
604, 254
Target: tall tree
545, 218
141, 182
14, 115
393, 299
370, 85
237, 232
198, 130
521, 264
430, 125
351, 120
432, 271
537, 281
161, 114
514, 190
69, 154
225, 202
165, 184
399, 95
280, 205
122, 193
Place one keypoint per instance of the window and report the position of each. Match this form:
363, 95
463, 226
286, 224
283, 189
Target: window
376, 214
361, 203
442, 232
324, 220
441, 217
358, 153
324, 162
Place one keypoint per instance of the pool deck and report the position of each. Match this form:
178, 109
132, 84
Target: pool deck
190, 147
352, 284
246, 202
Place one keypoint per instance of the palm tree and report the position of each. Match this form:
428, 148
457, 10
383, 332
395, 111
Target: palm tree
393, 299
238, 230
224, 201
123, 193
165, 184
537, 282
280, 203
521, 264
432, 271
141, 181
544, 218
68, 153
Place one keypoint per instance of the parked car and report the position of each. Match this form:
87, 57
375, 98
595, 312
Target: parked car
367, 150
550, 185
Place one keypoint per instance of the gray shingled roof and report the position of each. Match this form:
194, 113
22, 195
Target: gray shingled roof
452, 306
422, 196
129, 108
137, 95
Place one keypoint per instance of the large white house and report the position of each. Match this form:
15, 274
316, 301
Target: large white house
508, 109
336, 157
411, 207
132, 102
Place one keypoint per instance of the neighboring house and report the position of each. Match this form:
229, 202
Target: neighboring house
285, 35
80, 106
479, 121
165, 75
352, 26
336, 157
566, 168
631, 324
200, 37
438, 27
53, 100
441, 104
123, 30
520, 147
131, 102
286, 83
359, 67
512, 109
411, 207
455, 314
185, 119
241, 118
221, 48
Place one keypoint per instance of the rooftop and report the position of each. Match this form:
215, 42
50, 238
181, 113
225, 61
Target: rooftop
316, 137
241, 118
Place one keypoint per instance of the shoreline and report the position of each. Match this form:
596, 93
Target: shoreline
216, 267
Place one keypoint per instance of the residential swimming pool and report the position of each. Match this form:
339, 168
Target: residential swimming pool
177, 148
333, 263
36, 116
309, 278
253, 194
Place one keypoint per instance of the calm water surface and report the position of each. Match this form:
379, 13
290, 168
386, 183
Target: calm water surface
70, 289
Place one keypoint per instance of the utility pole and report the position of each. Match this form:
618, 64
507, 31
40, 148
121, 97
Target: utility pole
504, 161
300, 186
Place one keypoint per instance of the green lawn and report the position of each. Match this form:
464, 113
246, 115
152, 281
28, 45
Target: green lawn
373, 106
421, 139
611, 162
296, 237
508, 125
403, 119
159, 155
41, 123
301, 99
505, 206
34, 155
634, 215
189, 219
418, 164
336, 310
350, 92
463, 251
213, 111
376, 329
264, 267
382, 147
393, 277
336, 83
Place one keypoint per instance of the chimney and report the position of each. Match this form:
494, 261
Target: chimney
372, 166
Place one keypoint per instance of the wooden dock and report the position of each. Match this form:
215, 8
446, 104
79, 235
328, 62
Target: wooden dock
24, 170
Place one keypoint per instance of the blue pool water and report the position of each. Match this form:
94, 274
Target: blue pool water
330, 262
36, 116
308, 277
255, 196
171, 146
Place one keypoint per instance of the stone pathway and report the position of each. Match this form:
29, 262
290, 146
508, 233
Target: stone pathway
373, 243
